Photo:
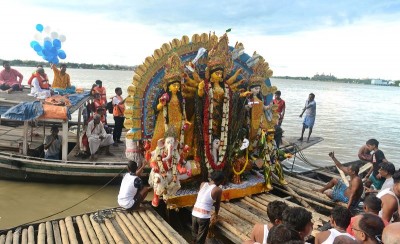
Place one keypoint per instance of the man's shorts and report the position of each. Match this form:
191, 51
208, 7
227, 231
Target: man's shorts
338, 192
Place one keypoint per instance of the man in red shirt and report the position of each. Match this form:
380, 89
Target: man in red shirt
10, 79
281, 106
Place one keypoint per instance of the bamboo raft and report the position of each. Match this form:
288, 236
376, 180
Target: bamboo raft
102, 227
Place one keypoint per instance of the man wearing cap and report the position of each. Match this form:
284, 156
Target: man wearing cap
311, 109
10, 79
281, 106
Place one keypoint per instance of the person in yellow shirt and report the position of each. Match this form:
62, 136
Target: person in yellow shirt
61, 81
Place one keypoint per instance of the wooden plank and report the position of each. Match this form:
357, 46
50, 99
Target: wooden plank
49, 233
90, 230
56, 232
107, 233
71, 230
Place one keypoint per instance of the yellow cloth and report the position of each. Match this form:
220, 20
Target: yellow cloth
60, 81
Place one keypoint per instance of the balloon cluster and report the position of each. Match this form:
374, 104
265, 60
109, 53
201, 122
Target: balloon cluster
47, 44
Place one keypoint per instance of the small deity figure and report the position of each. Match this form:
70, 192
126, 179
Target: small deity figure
270, 154
241, 161
168, 167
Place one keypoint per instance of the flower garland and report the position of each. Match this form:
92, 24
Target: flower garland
207, 128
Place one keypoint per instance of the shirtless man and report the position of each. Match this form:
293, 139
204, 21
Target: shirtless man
350, 195
390, 199
391, 233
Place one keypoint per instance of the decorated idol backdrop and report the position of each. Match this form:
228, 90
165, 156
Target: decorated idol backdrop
199, 106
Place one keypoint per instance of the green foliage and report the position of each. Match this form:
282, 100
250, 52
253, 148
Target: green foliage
30, 63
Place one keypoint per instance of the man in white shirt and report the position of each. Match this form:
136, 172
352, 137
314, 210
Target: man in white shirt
98, 137
132, 191
386, 171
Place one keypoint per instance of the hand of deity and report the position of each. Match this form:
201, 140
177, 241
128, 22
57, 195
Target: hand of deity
201, 85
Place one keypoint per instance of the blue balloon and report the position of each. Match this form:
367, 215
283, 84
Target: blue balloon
34, 43
45, 52
39, 27
47, 45
57, 43
37, 48
54, 60
62, 54
40, 53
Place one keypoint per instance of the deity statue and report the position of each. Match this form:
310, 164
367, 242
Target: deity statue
240, 156
171, 104
217, 91
270, 154
257, 119
169, 166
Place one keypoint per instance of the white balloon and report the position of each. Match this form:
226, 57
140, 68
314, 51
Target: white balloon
47, 38
38, 36
47, 29
62, 38
54, 35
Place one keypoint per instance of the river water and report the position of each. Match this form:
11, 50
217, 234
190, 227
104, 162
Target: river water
347, 116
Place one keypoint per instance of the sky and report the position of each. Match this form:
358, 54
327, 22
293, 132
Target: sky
346, 38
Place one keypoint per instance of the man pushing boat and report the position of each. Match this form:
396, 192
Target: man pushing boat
351, 194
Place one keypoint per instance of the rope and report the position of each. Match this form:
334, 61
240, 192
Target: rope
51, 215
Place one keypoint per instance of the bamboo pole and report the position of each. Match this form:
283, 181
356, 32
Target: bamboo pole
153, 227
170, 233
237, 222
64, 232
125, 229
24, 237
100, 235
16, 236
41, 236
256, 204
304, 178
135, 233
114, 233
232, 229
71, 230
49, 233
144, 228
365, 167
9, 237
228, 234
343, 176
57, 233
306, 199
2, 239
295, 195
82, 230
31, 235
242, 213
90, 230
107, 233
